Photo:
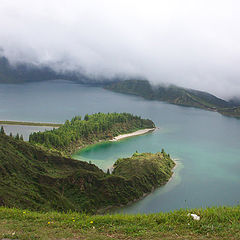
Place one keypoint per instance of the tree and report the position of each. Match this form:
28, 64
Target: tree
86, 118
17, 137
2, 130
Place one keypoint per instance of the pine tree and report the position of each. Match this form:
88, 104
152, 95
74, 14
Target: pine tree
2, 130
17, 137
86, 117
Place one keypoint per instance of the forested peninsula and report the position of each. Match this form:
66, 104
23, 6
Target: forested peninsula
35, 179
78, 132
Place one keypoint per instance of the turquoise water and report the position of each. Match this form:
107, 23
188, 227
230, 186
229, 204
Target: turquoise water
205, 144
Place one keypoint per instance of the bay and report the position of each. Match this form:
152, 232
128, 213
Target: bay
205, 144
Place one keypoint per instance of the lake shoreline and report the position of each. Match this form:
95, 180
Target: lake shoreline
112, 209
37, 124
133, 134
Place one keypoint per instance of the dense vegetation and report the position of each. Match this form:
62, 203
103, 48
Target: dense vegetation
77, 133
215, 223
175, 95
34, 179
145, 169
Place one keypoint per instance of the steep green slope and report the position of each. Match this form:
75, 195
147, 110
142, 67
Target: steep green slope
31, 178
34, 179
171, 94
147, 169
77, 133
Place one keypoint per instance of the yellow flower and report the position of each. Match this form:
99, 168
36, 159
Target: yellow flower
49, 222
73, 220
24, 212
91, 222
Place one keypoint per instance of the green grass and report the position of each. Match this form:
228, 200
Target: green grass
215, 223
31, 123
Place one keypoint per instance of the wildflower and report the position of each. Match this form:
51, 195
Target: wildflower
49, 222
91, 222
194, 216
24, 212
73, 220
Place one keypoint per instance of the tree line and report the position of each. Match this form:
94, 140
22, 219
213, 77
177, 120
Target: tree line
99, 126
17, 137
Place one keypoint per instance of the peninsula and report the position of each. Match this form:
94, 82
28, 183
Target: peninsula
79, 133
36, 179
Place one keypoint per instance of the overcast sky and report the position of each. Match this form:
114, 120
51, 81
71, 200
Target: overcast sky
191, 43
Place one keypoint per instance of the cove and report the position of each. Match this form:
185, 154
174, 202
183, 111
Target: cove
206, 144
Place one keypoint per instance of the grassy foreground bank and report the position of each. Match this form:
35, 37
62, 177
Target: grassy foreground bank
215, 223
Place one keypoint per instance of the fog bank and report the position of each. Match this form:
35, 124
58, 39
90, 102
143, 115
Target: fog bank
193, 44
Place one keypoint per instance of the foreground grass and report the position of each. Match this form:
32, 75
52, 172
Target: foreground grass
31, 124
215, 223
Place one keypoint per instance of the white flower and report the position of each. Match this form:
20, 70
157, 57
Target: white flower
194, 216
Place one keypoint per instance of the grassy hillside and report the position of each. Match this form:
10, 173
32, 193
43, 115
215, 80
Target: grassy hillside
34, 179
172, 94
215, 223
148, 169
78, 133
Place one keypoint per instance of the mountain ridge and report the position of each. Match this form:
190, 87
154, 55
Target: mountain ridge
175, 95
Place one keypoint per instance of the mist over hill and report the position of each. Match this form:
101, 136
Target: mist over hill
28, 72
192, 44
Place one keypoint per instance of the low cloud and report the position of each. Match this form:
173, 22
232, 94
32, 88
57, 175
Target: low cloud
193, 44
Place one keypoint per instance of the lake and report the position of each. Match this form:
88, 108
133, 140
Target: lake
206, 145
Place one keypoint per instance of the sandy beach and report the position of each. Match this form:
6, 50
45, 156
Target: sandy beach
139, 132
